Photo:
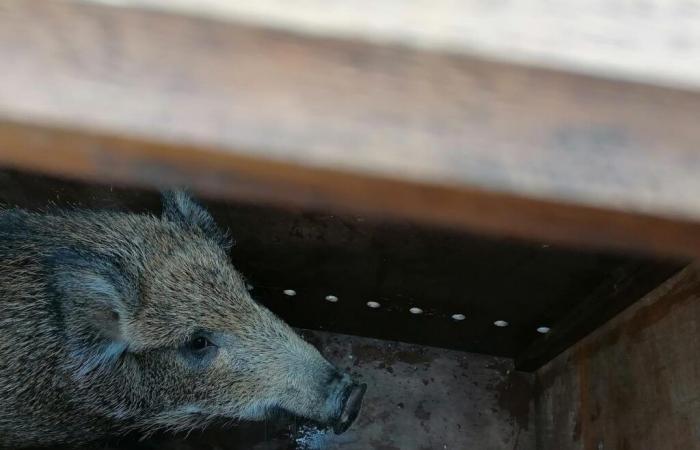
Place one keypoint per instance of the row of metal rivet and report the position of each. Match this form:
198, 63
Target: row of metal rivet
416, 310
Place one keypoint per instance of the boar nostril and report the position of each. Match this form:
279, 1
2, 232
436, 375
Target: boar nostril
351, 408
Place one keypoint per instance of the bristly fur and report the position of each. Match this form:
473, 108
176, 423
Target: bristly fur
97, 313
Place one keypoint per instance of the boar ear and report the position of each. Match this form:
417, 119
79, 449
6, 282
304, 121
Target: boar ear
94, 295
180, 208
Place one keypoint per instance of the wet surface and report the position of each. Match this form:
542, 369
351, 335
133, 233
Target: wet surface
418, 398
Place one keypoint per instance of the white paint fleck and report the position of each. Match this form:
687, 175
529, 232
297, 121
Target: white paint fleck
543, 330
311, 438
374, 305
459, 316
501, 323
290, 292
331, 298
416, 310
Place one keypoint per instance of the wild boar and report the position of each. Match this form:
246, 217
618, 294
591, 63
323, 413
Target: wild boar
113, 322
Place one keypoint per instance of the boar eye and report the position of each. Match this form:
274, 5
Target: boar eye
200, 343
199, 350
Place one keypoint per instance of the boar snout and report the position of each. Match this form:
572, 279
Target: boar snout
346, 398
350, 407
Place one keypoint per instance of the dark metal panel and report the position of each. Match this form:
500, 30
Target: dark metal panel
610, 298
397, 264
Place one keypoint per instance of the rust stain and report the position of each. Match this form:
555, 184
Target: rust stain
377, 445
582, 357
684, 291
549, 374
613, 367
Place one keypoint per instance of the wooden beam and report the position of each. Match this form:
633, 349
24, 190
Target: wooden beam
598, 37
143, 97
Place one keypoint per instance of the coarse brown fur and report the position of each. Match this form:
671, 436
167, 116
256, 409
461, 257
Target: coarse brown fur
100, 313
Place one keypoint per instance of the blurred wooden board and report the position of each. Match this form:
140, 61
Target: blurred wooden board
655, 41
242, 111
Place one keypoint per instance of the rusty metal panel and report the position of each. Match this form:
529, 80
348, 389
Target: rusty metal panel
634, 383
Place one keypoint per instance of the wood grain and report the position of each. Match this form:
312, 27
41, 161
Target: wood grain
632, 384
143, 97
599, 37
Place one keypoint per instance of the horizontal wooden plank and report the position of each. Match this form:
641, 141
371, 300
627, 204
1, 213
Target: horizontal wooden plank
118, 160
644, 40
141, 97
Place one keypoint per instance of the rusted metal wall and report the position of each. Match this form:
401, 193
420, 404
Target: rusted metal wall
634, 384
